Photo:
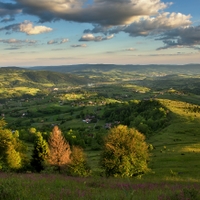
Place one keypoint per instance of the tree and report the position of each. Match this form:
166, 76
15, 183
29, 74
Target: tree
125, 152
12, 150
14, 160
32, 134
78, 165
40, 153
59, 154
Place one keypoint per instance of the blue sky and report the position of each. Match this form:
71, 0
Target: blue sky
63, 32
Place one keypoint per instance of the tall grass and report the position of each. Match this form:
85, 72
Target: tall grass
61, 187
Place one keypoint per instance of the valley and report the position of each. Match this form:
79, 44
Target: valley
86, 104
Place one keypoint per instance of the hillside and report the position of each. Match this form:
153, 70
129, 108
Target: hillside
15, 77
20, 83
181, 83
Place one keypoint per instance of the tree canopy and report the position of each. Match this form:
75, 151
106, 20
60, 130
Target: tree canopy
125, 152
11, 148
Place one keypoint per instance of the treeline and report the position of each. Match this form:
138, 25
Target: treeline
147, 116
124, 153
51, 154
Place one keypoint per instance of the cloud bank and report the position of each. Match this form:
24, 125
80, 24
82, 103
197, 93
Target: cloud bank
104, 12
181, 37
135, 17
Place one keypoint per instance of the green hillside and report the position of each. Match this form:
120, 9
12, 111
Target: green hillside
14, 82
19, 76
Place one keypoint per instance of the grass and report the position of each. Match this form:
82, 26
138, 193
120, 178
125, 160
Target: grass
61, 187
177, 146
93, 160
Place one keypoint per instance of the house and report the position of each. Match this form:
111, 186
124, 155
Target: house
108, 125
87, 120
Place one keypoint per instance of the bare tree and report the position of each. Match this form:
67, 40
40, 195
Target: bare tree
60, 152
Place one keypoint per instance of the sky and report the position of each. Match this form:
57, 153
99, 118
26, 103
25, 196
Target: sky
65, 32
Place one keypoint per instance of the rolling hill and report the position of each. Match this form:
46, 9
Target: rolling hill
15, 77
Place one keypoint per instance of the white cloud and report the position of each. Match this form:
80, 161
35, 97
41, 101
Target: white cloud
156, 25
58, 41
109, 37
64, 41
79, 45
15, 41
52, 42
130, 49
91, 37
87, 37
28, 28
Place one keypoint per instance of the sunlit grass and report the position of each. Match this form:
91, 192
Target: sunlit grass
136, 87
194, 148
49, 186
20, 90
177, 147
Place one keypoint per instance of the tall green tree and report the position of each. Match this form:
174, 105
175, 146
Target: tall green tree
12, 150
40, 153
60, 152
125, 152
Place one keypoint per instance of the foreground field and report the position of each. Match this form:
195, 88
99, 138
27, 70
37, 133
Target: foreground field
60, 187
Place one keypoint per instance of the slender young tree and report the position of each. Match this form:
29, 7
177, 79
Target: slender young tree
40, 153
60, 152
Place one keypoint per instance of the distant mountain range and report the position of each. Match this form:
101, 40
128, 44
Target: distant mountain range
93, 73
167, 69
